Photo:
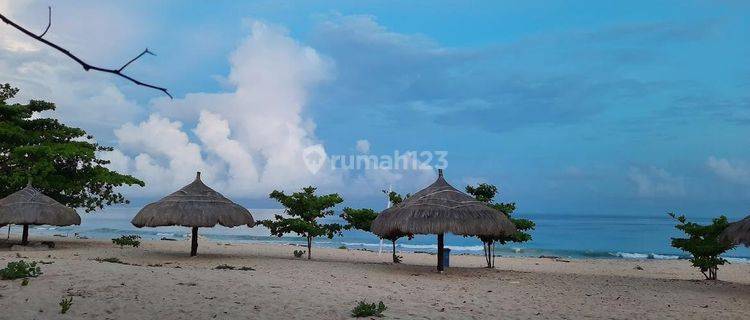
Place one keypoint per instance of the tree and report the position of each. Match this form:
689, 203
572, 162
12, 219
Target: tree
703, 244
304, 209
486, 193
360, 219
395, 199
61, 160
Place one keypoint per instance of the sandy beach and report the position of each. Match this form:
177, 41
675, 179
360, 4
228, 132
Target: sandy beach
160, 281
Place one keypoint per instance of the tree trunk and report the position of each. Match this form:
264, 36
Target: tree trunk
309, 247
25, 235
194, 243
492, 254
440, 252
395, 260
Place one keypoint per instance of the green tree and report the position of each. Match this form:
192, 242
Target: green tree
396, 199
486, 193
360, 219
61, 160
703, 244
304, 209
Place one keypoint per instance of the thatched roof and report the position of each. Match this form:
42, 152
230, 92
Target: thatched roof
195, 205
29, 206
738, 232
440, 208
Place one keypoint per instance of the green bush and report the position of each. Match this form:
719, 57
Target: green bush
364, 309
65, 304
20, 269
703, 244
110, 260
299, 253
131, 240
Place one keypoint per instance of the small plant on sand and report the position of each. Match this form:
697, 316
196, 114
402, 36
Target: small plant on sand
398, 258
20, 269
25, 282
342, 247
110, 260
304, 209
130, 240
364, 309
65, 304
224, 267
299, 253
703, 244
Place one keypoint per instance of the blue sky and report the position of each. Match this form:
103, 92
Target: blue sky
637, 107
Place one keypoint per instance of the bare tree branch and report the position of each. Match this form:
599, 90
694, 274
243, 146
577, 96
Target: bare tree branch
49, 22
83, 64
136, 58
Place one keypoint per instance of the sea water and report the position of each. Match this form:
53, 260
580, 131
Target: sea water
569, 236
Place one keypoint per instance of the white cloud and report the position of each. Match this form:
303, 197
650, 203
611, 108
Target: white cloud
732, 171
652, 182
247, 141
89, 100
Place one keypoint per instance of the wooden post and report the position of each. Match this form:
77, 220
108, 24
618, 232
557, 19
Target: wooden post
194, 243
440, 252
25, 236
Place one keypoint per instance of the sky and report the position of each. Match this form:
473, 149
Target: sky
570, 107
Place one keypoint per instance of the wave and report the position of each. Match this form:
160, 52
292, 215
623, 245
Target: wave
654, 256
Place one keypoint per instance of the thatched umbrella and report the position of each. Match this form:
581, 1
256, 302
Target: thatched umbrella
738, 232
195, 205
30, 207
440, 209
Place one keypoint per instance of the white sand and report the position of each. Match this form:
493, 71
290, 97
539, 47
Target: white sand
282, 287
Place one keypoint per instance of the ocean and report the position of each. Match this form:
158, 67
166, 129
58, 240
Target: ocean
569, 236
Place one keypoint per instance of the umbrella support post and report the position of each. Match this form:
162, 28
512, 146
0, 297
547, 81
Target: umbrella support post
440, 252
194, 242
25, 235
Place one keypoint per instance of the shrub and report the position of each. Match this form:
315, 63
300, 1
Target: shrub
110, 260
224, 267
703, 244
364, 309
20, 269
65, 304
398, 258
131, 240
342, 247
299, 253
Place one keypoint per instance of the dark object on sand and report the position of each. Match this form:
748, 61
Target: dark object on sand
167, 239
195, 205
737, 232
30, 207
438, 209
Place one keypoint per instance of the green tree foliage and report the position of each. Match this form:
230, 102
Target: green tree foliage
703, 243
360, 219
486, 193
61, 160
304, 209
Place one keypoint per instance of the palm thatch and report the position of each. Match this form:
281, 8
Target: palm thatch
440, 209
31, 207
738, 232
195, 205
